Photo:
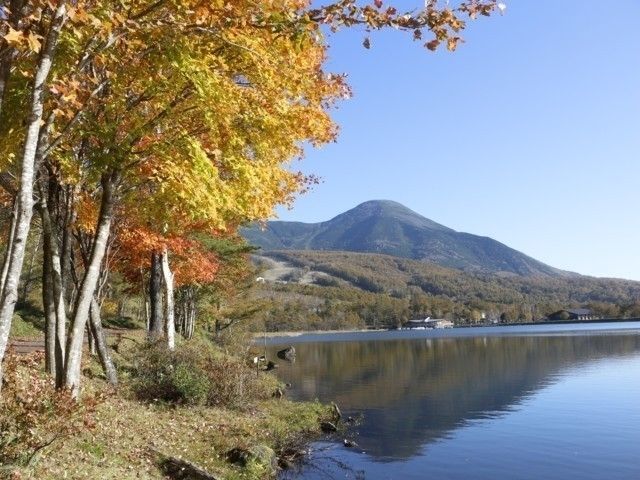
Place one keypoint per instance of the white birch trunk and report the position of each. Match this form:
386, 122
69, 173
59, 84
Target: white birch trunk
169, 301
25, 210
88, 286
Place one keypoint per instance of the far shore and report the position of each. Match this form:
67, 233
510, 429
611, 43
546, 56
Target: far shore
299, 333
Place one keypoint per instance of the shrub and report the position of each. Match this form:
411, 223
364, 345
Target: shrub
33, 414
197, 373
191, 384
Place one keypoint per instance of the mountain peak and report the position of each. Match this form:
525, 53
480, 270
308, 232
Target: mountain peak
388, 227
389, 209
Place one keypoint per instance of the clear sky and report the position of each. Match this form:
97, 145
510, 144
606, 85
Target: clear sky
529, 133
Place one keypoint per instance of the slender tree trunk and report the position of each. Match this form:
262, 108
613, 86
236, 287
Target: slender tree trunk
122, 306
144, 305
5, 70
7, 255
89, 284
67, 239
28, 278
169, 300
101, 343
25, 210
49, 311
91, 340
52, 254
192, 323
156, 323
190, 313
186, 312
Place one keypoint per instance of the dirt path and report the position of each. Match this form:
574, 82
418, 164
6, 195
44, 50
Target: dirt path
25, 346
22, 347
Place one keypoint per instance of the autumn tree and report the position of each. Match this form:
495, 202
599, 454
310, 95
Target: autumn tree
124, 115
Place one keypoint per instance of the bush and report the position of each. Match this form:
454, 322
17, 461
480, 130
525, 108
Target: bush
33, 414
197, 373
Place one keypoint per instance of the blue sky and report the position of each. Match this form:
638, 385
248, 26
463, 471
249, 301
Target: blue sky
529, 133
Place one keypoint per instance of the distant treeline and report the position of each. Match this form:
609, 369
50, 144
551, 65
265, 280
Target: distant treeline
379, 290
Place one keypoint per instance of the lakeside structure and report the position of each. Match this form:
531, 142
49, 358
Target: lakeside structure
425, 323
573, 314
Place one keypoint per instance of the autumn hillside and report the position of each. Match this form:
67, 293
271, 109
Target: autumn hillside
317, 289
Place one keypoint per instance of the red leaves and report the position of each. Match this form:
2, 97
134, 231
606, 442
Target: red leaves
191, 262
378, 3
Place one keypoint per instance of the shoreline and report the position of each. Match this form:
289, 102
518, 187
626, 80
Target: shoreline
300, 333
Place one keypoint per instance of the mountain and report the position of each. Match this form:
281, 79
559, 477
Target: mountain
387, 227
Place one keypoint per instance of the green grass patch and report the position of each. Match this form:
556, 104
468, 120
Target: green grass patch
24, 328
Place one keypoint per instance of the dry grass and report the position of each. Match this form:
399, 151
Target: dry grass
129, 435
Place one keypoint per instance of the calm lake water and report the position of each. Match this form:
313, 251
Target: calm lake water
536, 402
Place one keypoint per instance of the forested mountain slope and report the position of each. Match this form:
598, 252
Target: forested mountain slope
387, 227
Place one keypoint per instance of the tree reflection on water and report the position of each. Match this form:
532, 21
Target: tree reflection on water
414, 392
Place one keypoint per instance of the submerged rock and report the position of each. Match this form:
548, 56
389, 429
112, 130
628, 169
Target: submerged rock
288, 354
289, 456
349, 443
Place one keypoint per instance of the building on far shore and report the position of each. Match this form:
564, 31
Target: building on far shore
424, 323
573, 314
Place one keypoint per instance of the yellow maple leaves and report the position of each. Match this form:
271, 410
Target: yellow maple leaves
19, 39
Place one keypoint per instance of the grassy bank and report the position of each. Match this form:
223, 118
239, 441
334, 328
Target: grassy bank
132, 440
217, 405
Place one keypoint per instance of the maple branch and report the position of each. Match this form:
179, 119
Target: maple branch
7, 181
147, 10
78, 115
180, 97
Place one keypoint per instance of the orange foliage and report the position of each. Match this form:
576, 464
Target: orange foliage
189, 261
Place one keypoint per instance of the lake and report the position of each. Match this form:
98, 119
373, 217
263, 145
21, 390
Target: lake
527, 402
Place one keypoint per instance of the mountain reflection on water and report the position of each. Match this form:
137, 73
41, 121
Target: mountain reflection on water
415, 392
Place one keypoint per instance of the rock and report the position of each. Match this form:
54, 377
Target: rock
238, 455
328, 427
270, 366
288, 354
289, 456
278, 393
285, 463
259, 453
264, 455
349, 443
179, 469
288, 385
